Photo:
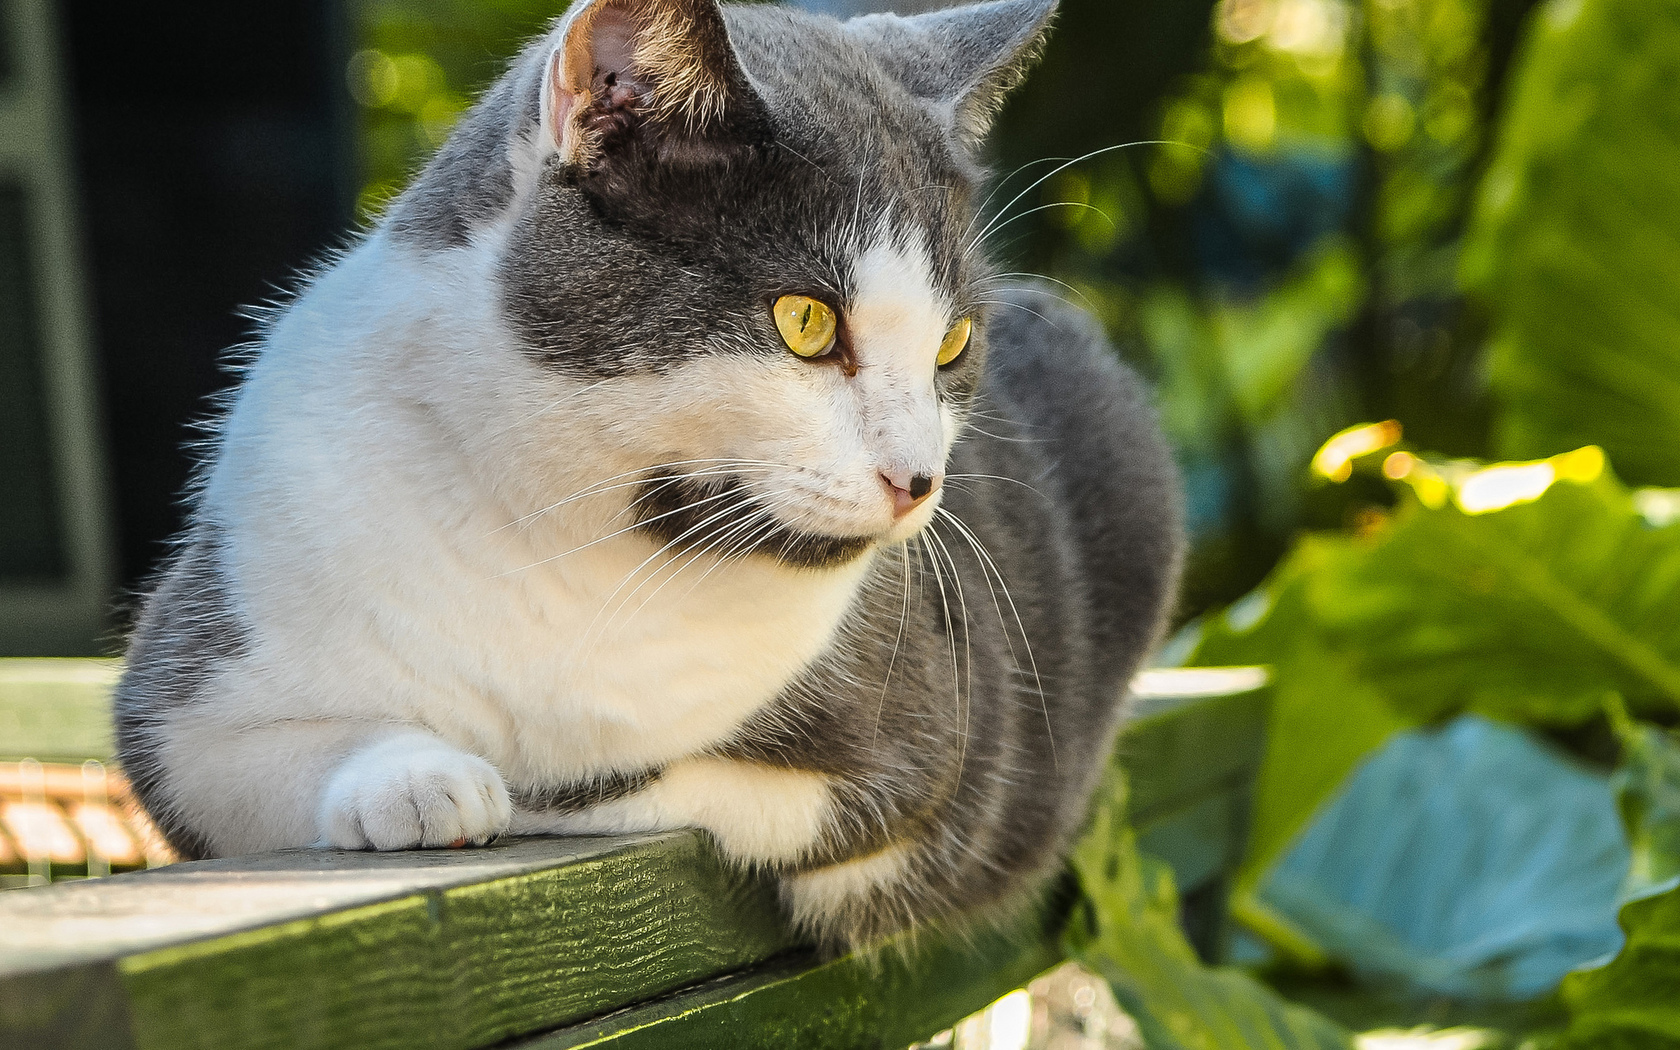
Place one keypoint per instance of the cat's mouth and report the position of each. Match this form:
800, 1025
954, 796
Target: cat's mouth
722, 517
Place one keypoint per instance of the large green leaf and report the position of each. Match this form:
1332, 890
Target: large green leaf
1127, 930
1633, 1003
1531, 613
1471, 861
1325, 716
1575, 241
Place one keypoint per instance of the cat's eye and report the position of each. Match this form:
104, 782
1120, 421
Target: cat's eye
955, 342
807, 325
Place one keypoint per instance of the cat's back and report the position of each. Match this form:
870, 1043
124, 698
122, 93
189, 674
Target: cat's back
1059, 400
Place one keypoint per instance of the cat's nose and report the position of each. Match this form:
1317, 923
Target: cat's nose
908, 490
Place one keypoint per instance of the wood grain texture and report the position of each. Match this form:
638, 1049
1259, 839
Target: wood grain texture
909, 990
344, 949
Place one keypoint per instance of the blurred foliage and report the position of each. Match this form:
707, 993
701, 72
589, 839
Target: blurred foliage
1284, 265
1647, 786
1576, 244
1523, 591
418, 65
1630, 1004
1127, 930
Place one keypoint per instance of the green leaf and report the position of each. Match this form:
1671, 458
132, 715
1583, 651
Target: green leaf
1529, 614
1127, 930
1470, 861
1647, 787
1326, 715
1631, 1003
1575, 241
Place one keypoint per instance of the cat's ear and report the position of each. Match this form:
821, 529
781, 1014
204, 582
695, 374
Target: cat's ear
964, 58
619, 64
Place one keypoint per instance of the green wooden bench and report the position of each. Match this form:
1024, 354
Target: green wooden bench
636, 941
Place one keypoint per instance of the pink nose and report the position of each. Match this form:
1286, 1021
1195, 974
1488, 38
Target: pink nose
909, 490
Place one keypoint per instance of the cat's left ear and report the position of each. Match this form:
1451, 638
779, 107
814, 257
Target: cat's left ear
966, 59
618, 66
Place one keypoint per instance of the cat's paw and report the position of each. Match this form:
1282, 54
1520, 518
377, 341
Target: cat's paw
413, 791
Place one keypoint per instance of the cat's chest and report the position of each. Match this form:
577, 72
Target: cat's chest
609, 662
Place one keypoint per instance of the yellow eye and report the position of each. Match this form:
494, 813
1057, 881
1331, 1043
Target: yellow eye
954, 343
807, 325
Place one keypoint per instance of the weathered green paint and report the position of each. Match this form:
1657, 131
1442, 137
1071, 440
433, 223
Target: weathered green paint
464, 949
370, 950
906, 992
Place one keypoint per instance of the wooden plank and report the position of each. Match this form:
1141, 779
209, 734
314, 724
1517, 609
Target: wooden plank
1195, 732
905, 992
462, 949
430, 948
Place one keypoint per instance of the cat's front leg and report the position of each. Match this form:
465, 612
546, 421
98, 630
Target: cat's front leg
759, 815
412, 789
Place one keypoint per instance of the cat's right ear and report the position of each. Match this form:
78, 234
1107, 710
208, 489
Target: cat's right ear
620, 65
963, 59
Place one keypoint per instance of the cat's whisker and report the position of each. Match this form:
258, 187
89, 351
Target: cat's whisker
1058, 169
745, 502
740, 546
951, 637
1084, 299
991, 567
617, 532
737, 538
994, 227
1001, 183
639, 476
892, 661
1018, 306
997, 477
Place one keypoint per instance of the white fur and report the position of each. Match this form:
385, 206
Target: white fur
443, 608
816, 898
757, 814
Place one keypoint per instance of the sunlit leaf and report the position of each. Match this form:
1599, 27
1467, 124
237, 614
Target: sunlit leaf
1531, 613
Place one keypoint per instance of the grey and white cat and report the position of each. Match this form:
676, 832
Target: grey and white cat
669, 456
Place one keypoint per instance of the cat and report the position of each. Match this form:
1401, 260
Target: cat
670, 455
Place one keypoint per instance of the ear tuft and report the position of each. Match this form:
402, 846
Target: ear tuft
622, 63
968, 58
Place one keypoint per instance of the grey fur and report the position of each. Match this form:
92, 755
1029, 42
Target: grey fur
470, 181
988, 778
188, 630
965, 728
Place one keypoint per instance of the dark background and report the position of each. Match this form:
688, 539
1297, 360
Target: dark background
215, 159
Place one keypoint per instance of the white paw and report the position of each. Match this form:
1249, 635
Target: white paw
411, 791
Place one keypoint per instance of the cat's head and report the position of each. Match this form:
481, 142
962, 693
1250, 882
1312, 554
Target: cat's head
751, 230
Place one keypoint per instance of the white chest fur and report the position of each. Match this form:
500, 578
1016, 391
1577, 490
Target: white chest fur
425, 527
